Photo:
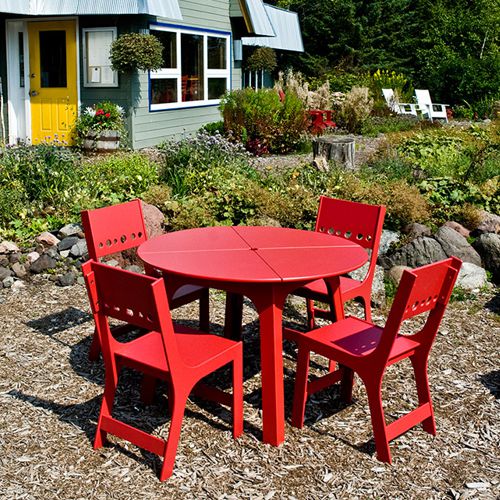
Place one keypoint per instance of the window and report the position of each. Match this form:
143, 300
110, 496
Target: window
96, 64
196, 68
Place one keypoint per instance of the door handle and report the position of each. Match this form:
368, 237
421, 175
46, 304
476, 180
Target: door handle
33, 93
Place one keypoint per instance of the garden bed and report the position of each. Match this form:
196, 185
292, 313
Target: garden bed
50, 395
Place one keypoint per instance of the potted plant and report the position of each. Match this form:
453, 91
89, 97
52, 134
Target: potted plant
132, 51
100, 127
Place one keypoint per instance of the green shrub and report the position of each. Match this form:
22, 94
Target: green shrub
258, 119
213, 128
355, 109
375, 125
132, 51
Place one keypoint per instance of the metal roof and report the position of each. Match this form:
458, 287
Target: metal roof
161, 8
286, 27
256, 17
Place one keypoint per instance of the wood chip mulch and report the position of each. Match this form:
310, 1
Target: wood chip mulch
50, 396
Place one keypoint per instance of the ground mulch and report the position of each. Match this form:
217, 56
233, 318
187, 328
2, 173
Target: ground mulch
50, 396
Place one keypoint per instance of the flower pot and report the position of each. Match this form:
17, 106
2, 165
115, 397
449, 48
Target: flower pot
105, 141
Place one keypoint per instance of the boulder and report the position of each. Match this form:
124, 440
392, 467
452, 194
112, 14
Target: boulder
5, 272
4, 261
79, 249
17, 285
490, 223
153, 220
14, 257
386, 240
70, 230
67, 279
47, 239
488, 246
395, 273
458, 228
19, 270
471, 277
415, 230
8, 282
32, 257
134, 269
42, 264
67, 243
8, 247
454, 244
420, 251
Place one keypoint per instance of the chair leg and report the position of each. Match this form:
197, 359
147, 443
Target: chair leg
367, 306
237, 397
179, 406
106, 409
95, 347
419, 364
374, 392
205, 310
347, 384
300, 389
311, 324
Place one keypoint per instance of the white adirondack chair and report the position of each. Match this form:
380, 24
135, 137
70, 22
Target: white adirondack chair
428, 108
396, 106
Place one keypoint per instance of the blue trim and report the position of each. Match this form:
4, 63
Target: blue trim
183, 107
183, 26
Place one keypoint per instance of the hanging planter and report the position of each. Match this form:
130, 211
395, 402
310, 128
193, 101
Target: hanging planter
132, 51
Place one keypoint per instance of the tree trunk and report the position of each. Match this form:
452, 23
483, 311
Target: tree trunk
341, 151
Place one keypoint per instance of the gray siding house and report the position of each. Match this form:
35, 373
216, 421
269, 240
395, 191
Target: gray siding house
54, 59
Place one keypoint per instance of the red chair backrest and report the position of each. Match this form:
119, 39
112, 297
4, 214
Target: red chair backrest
358, 222
134, 298
113, 229
427, 288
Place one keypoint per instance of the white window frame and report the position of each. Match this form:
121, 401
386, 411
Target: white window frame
171, 73
86, 82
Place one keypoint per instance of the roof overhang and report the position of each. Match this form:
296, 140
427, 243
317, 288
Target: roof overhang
256, 18
162, 8
286, 28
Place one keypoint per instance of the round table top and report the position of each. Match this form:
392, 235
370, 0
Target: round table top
248, 254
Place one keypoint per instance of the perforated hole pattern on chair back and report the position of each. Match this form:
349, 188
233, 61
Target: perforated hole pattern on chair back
113, 229
353, 221
433, 285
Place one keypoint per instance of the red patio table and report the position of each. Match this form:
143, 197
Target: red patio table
265, 264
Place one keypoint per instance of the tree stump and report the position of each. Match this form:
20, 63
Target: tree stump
340, 151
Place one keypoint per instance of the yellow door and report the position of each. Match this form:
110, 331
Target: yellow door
53, 80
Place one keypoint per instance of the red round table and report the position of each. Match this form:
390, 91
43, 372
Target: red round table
265, 264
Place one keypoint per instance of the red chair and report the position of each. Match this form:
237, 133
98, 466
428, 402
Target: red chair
120, 227
361, 347
179, 355
357, 222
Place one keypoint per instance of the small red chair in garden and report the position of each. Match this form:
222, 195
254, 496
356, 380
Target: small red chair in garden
360, 346
179, 355
120, 227
358, 222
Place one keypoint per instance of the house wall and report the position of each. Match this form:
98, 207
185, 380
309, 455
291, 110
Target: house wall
150, 128
3, 76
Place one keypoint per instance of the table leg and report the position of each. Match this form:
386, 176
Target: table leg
234, 316
333, 287
269, 304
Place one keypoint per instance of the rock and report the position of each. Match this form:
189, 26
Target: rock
415, 230
42, 264
5, 272
8, 247
488, 246
134, 269
70, 230
153, 220
19, 270
52, 252
32, 257
79, 249
8, 282
378, 287
458, 228
420, 251
395, 273
47, 239
14, 257
80, 280
4, 261
471, 277
490, 223
64, 253
386, 240
67, 279
112, 263
265, 220
67, 243
17, 285
455, 244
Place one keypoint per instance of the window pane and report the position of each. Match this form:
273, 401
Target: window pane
169, 42
192, 67
21, 58
163, 90
98, 44
216, 53
53, 58
216, 87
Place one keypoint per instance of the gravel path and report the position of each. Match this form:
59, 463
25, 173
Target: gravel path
50, 394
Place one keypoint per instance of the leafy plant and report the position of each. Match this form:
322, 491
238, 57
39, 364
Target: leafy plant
262, 58
355, 109
132, 51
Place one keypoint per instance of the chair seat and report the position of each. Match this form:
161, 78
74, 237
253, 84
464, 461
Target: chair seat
351, 336
195, 348
316, 290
